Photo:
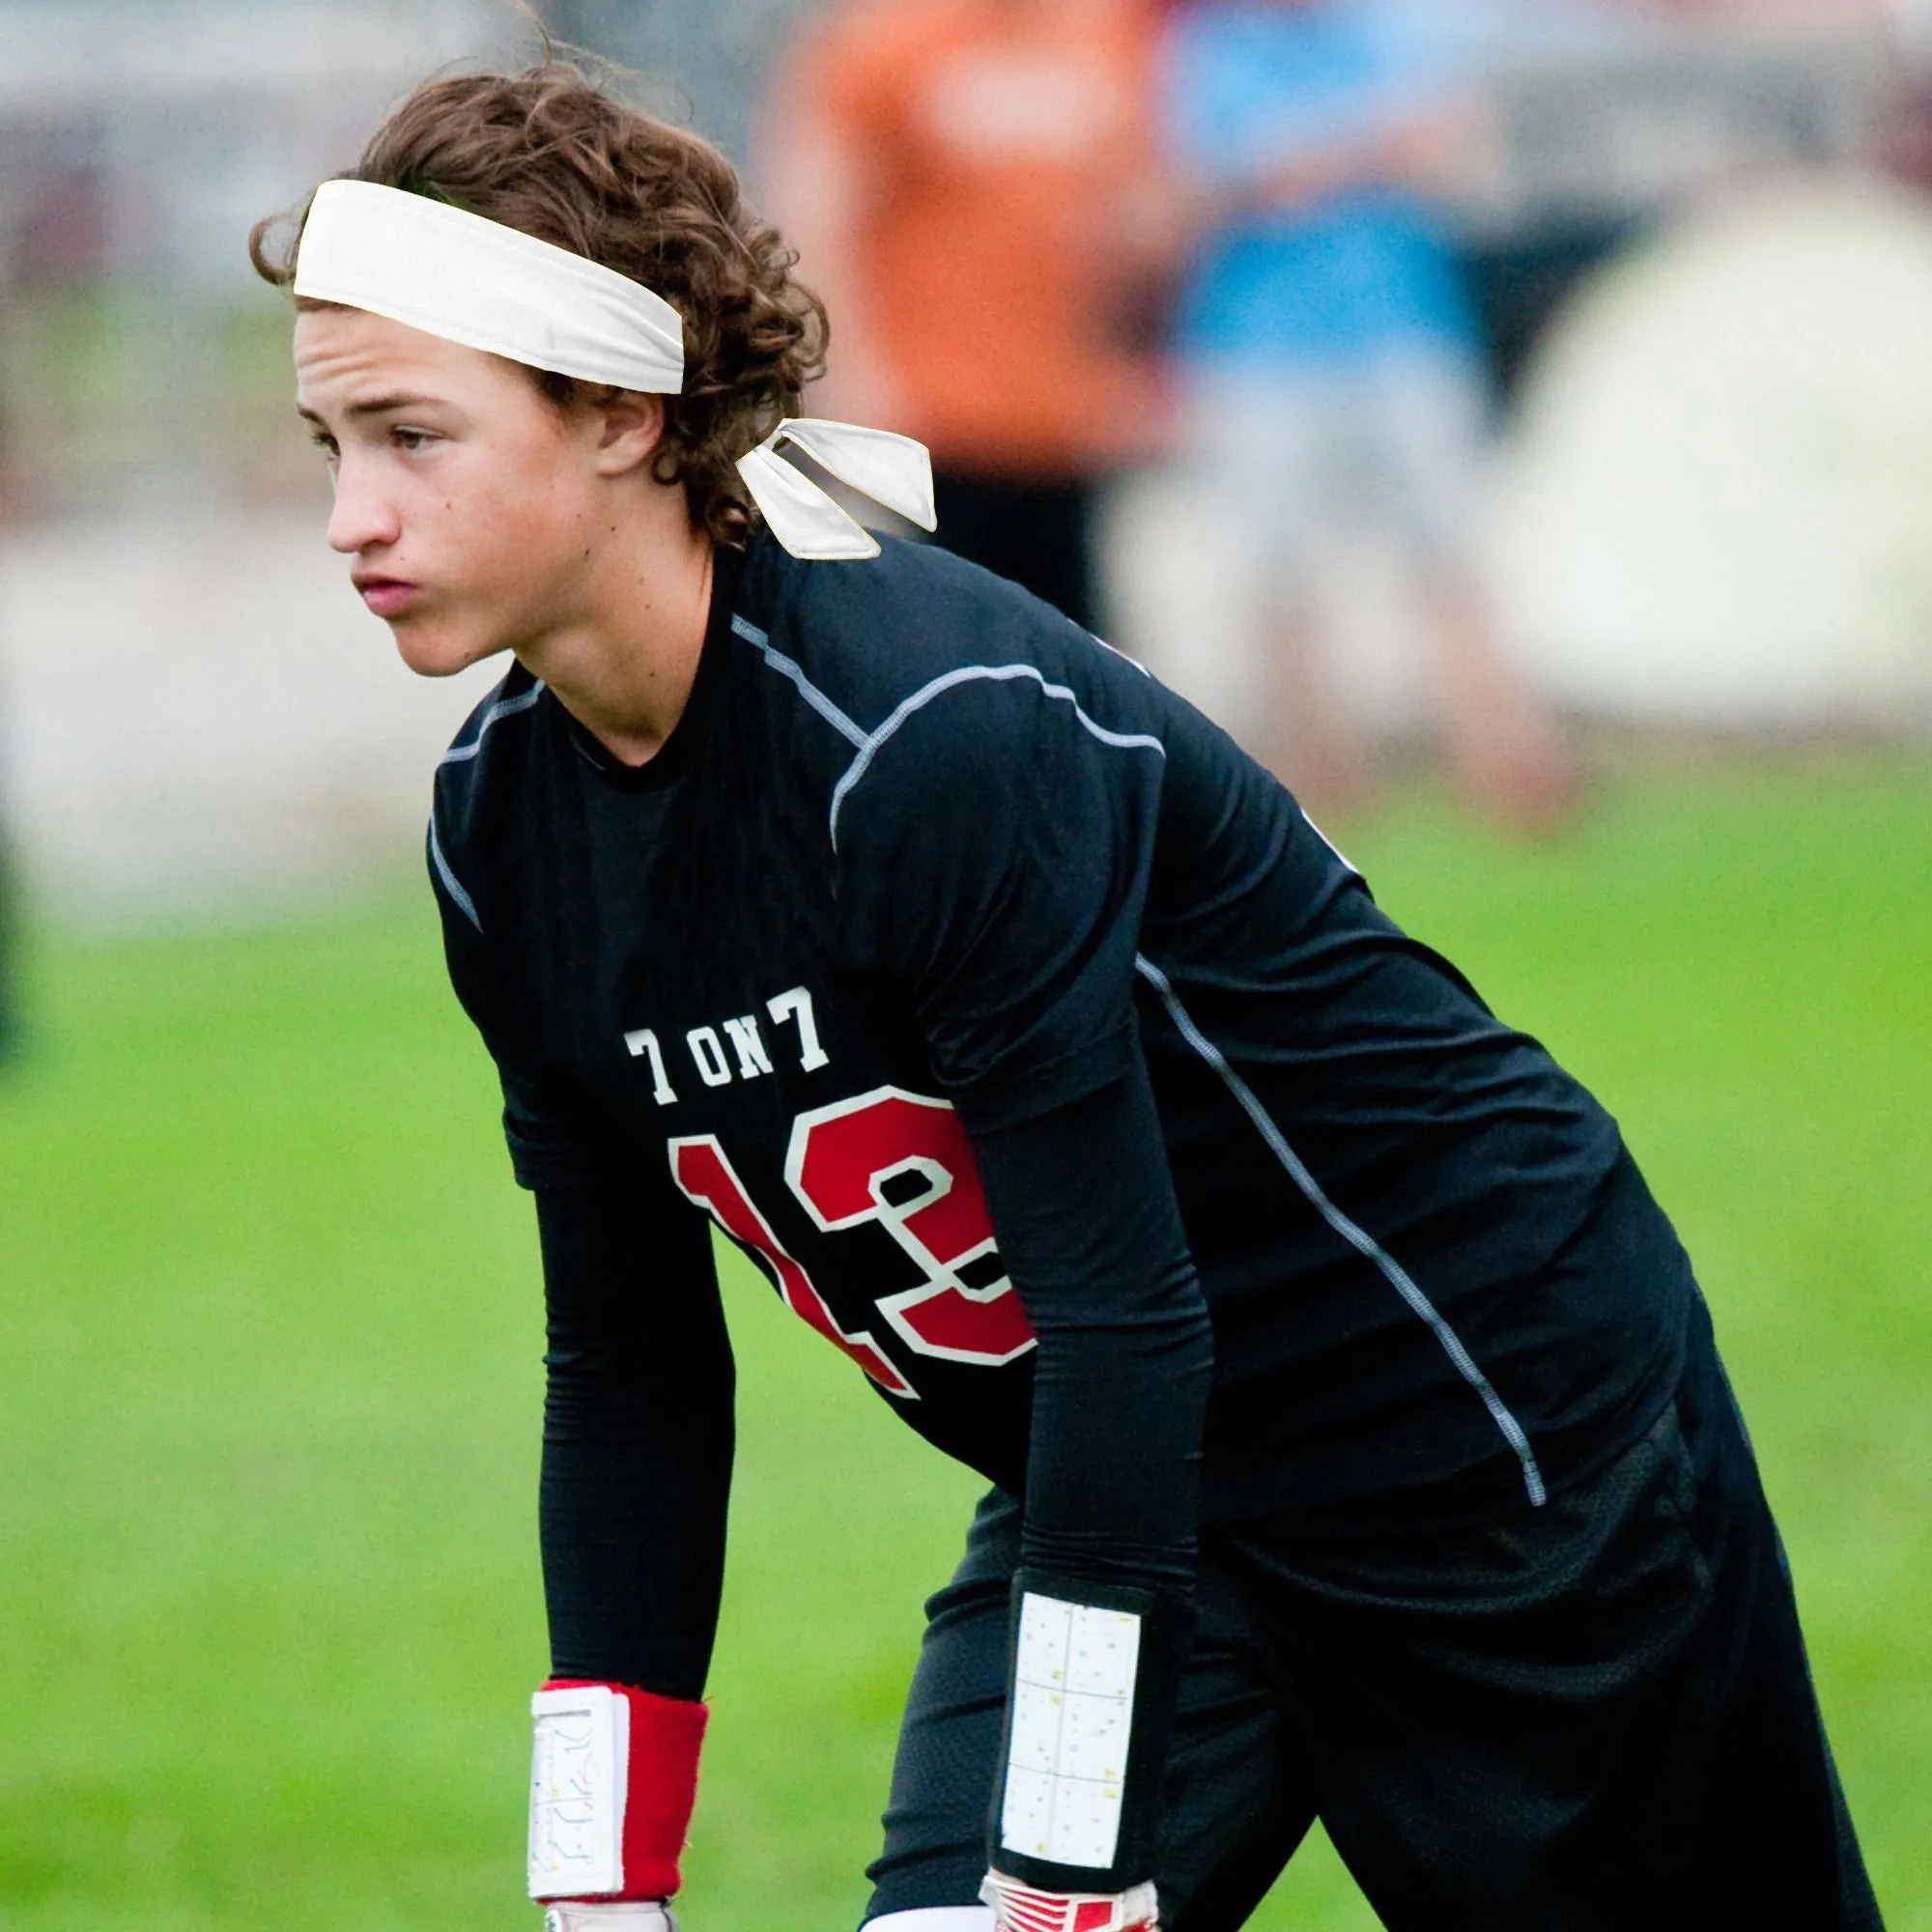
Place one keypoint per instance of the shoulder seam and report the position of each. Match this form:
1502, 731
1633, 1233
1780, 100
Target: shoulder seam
870, 743
507, 708
787, 667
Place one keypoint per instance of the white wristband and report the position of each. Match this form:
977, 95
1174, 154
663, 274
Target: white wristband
1073, 1722
580, 1766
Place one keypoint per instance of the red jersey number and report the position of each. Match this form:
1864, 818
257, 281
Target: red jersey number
699, 1167
903, 1160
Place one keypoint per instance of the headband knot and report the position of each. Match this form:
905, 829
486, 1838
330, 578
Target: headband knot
891, 469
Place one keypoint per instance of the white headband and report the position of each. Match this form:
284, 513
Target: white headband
457, 276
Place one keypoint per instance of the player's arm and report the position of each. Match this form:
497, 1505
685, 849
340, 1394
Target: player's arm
1083, 1205
637, 1469
995, 860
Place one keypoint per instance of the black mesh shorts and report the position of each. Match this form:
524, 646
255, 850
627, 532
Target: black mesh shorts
1594, 1716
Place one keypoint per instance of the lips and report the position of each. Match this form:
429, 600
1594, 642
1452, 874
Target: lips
386, 596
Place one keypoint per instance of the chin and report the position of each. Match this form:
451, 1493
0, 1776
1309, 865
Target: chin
432, 651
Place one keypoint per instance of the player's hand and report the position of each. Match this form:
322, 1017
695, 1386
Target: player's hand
1018, 1907
651, 1915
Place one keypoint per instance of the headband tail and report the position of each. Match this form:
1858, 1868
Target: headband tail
892, 470
802, 518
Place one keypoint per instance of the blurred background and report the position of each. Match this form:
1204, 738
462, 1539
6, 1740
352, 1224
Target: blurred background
1511, 418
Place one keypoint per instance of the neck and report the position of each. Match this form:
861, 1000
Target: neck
623, 667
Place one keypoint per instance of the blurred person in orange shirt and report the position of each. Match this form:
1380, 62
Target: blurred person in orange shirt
971, 187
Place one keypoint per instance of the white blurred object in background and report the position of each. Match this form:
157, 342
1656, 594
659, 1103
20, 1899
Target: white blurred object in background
201, 715
1717, 505
203, 115
195, 712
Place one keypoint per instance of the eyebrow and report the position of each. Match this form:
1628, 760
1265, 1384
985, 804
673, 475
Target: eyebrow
376, 405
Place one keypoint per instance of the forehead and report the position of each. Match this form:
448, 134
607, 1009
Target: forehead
341, 354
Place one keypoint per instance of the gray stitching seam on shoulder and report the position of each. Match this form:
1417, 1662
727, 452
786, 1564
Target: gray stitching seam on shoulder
1357, 1237
508, 708
807, 690
870, 742
452, 884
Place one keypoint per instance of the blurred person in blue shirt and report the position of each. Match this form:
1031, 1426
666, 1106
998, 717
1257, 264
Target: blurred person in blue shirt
1325, 115
1332, 369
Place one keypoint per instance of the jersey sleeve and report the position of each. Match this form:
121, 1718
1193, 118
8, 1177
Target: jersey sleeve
993, 858
1084, 1208
638, 1441
994, 863
637, 1407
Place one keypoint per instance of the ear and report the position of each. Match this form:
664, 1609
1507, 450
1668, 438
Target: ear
628, 429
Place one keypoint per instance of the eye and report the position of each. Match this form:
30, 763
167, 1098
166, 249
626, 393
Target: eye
324, 443
412, 441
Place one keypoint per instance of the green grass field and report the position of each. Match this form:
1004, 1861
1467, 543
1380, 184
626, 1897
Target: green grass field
268, 1380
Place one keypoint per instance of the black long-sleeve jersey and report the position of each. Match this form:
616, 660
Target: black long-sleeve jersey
1052, 1065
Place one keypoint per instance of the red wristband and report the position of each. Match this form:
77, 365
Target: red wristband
660, 1782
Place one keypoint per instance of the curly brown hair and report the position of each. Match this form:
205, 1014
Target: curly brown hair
549, 151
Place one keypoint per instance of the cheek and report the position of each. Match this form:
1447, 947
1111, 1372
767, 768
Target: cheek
528, 537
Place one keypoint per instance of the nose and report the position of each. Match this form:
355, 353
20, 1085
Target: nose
364, 517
